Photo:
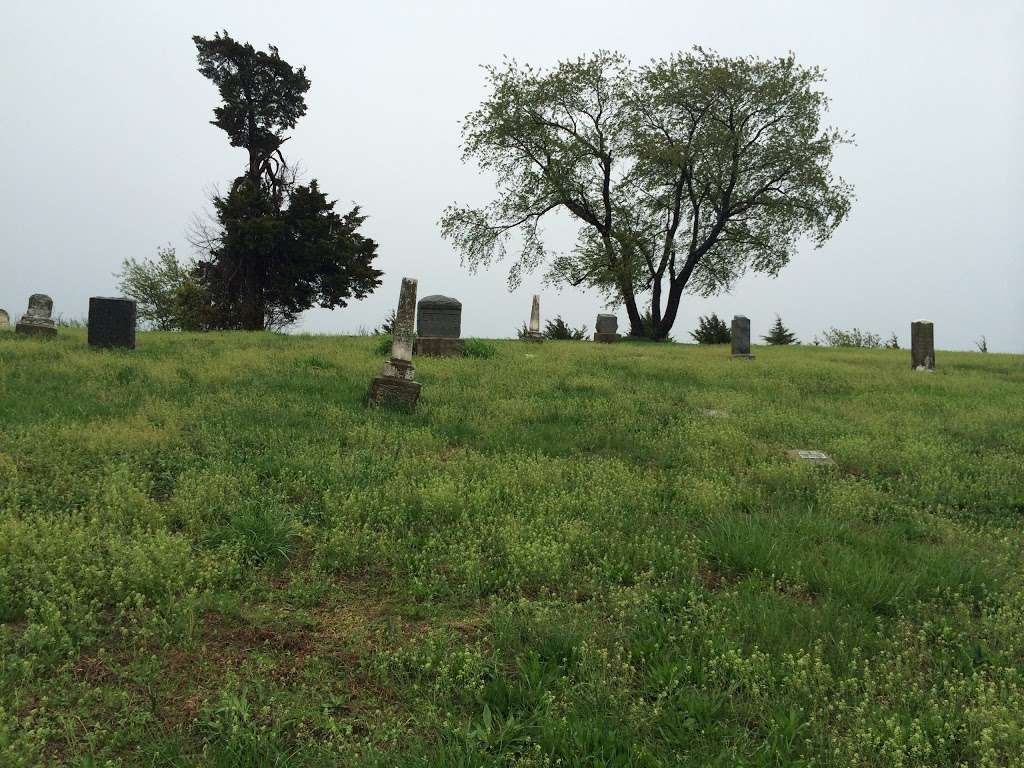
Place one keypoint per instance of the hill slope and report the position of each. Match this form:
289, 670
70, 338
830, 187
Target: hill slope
571, 554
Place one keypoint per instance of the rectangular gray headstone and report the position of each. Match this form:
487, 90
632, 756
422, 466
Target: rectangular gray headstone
741, 336
922, 345
607, 324
439, 316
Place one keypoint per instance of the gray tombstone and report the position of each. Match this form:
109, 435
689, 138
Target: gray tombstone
439, 316
112, 322
818, 458
606, 329
395, 384
5, 320
741, 338
37, 321
533, 333
922, 345
439, 326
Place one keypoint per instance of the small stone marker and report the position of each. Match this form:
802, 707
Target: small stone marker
741, 338
819, 458
112, 322
5, 320
922, 345
36, 321
395, 384
607, 327
439, 326
534, 334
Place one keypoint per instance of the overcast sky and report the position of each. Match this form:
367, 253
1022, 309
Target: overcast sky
109, 153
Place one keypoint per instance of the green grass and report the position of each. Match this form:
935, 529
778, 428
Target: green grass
212, 553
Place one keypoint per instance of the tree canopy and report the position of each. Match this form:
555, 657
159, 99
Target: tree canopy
682, 174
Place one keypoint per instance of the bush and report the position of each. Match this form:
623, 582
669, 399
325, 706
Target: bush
383, 344
387, 327
780, 334
836, 337
711, 330
485, 350
559, 330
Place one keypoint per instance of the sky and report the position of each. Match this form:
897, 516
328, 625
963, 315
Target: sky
109, 152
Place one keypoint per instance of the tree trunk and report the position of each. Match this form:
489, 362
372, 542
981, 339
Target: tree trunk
251, 298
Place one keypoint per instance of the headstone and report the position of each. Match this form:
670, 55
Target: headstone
741, 338
395, 385
607, 328
533, 333
819, 458
111, 322
5, 320
922, 345
439, 326
37, 321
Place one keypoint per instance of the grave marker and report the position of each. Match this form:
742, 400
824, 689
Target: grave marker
112, 322
439, 326
37, 321
395, 384
741, 338
607, 327
534, 334
922, 345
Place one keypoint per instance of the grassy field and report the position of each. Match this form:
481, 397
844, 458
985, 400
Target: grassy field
211, 553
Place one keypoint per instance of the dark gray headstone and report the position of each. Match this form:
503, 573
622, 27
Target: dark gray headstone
439, 316
922, 345
111, 322
607, 324
37, 321
741, 336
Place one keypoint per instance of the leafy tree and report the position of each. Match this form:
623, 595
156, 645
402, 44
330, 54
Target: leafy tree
711, 330
893, 342
982, 344
559, 330
780, 334
277, 247
153, 284
681, 175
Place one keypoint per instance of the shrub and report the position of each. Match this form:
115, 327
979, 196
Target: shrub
559, 330
387, 327
836, 337
383, 344
711, 330
779, 334
480, 348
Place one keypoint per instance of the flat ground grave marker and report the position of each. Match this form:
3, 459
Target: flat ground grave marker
819, 458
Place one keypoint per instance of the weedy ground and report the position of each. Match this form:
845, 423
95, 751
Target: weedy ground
212, 553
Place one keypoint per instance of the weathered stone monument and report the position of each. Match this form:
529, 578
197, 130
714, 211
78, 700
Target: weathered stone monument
606, 329
741, 338
37, 321
439, 326
112, 322
5, 320
395, 385
533, 333
922, 345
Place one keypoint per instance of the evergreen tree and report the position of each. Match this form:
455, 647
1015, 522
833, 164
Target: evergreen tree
278, 247
711, 330
780, 334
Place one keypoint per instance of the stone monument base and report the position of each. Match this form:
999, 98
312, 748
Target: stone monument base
35, 329
743, 357
389, 390
439, 346
534, 336
606, 338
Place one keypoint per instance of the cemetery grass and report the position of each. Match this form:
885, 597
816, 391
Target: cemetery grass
212, 553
